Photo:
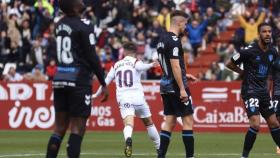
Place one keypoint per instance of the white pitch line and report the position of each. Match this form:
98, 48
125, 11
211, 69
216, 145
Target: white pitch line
135, 154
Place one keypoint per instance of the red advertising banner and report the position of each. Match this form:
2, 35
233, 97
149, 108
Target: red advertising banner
217, 107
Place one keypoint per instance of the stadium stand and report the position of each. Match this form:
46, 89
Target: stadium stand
27, 30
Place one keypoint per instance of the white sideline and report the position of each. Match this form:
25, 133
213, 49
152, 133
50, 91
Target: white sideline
136, 154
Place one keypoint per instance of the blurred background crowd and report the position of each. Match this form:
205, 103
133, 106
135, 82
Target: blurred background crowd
28, 45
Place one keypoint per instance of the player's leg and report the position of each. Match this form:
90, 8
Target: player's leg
78, 127
144, 113
168, 124
79, 102
187, 135
61, 125
61, 122
273, 125
251, 135
185, 110
152, 131
127, 132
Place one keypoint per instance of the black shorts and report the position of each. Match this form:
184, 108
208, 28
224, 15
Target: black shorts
275, 101
74, 100
172, 104
258, 103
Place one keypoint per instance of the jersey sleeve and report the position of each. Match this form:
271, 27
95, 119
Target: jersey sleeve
174, 45
240, 57
88, 43
140, 66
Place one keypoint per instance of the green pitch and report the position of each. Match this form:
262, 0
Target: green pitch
32, 144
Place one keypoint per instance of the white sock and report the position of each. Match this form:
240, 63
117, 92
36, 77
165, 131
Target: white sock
154, 136
127, 131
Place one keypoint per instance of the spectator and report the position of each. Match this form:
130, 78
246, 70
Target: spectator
195, 34
5, 48
164, 18
36, 75
51, 69
251, 27
13, 76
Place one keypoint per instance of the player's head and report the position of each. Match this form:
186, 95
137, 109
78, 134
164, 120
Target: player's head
179, 20
71, 7
265, 33
129, 48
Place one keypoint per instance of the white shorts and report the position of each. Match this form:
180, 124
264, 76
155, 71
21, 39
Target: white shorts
136, 106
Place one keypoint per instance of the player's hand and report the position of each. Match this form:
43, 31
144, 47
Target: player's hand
192, 78
94, 96
105, 94
155, 64
183, 96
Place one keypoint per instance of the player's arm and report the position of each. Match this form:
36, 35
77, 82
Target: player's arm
88, 44
110, 77
176, 69
236, 60
140, 66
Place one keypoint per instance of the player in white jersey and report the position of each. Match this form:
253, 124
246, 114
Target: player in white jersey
130, 95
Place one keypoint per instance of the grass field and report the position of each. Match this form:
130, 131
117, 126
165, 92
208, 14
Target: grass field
32, 144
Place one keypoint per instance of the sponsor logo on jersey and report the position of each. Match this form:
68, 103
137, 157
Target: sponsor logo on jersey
87, 99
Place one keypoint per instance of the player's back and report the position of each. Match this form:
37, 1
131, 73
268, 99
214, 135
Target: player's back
128, 79
74, 65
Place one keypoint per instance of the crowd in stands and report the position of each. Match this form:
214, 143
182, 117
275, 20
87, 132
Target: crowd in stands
28, 45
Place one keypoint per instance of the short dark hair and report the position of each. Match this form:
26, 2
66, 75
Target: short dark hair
130, 46
67, 6
179, 13
261, 25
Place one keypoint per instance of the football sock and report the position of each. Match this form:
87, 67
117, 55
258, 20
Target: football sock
275, 133
53, 146
127, 131
154, 136
188, 140
164, 142
74, 145
249, 141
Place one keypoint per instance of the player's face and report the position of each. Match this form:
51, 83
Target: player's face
182, 24
265, 34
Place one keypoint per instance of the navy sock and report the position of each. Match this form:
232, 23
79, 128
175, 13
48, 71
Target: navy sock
53, 146
249, 141
164, 142
74, 146
275, 133
188, 140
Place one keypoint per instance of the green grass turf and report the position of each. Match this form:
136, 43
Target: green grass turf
110, 145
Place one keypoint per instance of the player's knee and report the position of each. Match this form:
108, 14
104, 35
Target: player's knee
255, 126
147, 121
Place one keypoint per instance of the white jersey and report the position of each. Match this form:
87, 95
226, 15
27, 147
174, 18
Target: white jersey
127, 75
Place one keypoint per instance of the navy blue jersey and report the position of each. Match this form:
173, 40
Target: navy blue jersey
76, 56
276, 76
257, 67
170, 47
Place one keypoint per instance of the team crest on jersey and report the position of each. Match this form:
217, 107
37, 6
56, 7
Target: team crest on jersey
92, 39
175, 51
270, 57
175, 38
236, 57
